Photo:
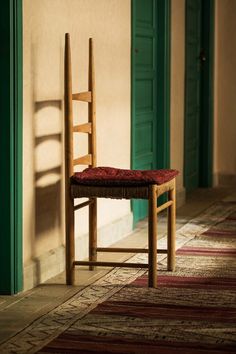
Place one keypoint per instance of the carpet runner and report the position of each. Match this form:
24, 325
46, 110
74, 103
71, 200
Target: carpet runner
192, 311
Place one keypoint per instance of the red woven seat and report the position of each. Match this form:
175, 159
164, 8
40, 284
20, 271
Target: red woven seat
109, 176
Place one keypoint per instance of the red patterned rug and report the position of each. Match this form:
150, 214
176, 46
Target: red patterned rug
192, 311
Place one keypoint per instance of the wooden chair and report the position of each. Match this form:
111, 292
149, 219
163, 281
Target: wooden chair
92, 192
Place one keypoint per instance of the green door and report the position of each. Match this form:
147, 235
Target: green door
144, 92
150, 89
192, 93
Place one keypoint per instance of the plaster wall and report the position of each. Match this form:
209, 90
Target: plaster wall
45, 24
109, 23
225, 91
177, 87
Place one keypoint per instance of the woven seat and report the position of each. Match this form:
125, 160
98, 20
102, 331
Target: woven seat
114, 192
108, 182
110, 176
115, 183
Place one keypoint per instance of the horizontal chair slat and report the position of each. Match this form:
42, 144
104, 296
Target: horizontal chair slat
82, 96
111, 264
164, 206
84, 160
83, 128
82, 205
127, 250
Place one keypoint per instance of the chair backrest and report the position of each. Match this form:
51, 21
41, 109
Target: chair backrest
90, 126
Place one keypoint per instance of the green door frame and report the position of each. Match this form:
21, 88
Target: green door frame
11, 147
163, 85
206, 96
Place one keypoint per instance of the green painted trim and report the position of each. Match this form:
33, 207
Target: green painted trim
19, 146
11, 147
163, 88
207, 96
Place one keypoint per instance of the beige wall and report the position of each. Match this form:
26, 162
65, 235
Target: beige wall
177, 87
45, 23
225, 90
108, 22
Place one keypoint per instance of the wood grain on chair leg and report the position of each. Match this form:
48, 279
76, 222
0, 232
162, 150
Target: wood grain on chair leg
152, 237
171, 231
93, 232
70, 243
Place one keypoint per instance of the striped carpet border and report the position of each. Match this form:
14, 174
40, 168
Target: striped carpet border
221, 283
80, 344
206, 251
166, 311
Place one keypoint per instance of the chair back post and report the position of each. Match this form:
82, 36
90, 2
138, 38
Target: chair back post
93, 152
69, 167
92, 105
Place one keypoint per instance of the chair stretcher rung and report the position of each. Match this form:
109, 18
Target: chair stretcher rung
164, 206
127, 250
82, 205
83, 128
84, 160
82, 96
111, 264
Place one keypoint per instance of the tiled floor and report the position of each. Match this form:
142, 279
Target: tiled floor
16, 312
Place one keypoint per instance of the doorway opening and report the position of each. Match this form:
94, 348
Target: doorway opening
199, 53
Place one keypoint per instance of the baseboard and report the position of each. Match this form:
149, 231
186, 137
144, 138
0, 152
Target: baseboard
53, 262
215, 179
107, 235
226, 179
180, 197
44, 267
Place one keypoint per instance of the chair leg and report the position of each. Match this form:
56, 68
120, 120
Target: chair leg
93, 232
152, 237
171, 231
70, 242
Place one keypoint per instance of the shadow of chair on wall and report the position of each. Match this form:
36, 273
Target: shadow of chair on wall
48, 183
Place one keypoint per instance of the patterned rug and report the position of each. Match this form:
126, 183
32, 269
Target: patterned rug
192, 311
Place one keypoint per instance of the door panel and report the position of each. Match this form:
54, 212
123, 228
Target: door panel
144, 92
192, 93
11, 265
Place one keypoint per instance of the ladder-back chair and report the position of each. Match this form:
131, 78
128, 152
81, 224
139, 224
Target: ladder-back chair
102, 182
